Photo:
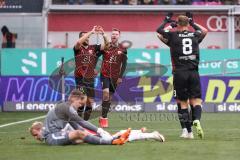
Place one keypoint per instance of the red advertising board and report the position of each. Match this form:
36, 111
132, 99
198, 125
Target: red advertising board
130, 21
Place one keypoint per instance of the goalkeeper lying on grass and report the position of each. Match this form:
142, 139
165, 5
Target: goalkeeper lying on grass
63, 126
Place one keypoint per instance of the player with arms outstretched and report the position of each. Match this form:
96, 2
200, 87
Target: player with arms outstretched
112, 69
184, 46
86, 57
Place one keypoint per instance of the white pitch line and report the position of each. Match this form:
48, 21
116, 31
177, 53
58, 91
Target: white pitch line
19, 122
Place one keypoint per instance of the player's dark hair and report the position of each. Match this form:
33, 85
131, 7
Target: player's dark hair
81, 33
4, 30
115, 29
183, 20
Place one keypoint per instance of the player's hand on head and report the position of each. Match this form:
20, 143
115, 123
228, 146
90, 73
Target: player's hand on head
94, 29
100, 29
190, 17
168, 17
173, 24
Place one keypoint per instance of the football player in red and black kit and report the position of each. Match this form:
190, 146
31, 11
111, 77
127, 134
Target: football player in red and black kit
184, 46
86, 57
112, 69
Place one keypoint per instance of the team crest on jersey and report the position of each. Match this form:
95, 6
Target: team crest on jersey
90, 51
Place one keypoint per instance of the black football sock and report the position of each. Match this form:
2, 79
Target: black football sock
180, 116
80, 111
105, 108
91, 139
185, 115
87, 113
197, 112
192, 114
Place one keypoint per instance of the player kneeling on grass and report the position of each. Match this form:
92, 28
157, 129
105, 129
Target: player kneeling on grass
54, 131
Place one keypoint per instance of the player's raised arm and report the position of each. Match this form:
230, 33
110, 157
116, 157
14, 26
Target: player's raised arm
168, 28
167, 19
197, 27
83, 38
106, 42
204, 30
162, 39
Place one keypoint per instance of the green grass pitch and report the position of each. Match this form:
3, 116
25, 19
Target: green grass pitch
222, 140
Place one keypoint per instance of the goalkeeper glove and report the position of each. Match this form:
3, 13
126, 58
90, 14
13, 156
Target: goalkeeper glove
168, 17
190, 18
173, 24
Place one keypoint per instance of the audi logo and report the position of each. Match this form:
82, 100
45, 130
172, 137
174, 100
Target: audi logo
220, 23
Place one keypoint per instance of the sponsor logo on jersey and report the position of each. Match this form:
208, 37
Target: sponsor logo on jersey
90, 51
191, 57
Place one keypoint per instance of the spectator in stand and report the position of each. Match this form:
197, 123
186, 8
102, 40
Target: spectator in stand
116, 2
59, 1
183, 2
133, 2
76, 1
213, 2
102, 1
198, 2
231, 2
2, 3
162, 2
147, 2
9, 39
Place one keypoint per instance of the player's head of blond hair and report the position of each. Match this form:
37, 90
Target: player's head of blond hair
183, 21
35, 126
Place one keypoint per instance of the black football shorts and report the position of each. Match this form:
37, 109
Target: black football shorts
108, 83
87, 84
186, 84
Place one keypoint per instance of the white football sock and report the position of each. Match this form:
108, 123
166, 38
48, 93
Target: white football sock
122, 131
140, 136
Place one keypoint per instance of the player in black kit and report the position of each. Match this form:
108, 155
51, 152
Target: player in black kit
184, 46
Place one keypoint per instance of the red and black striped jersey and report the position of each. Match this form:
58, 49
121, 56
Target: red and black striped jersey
86, 60
113, 59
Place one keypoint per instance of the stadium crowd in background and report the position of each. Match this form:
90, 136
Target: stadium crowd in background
150, 2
